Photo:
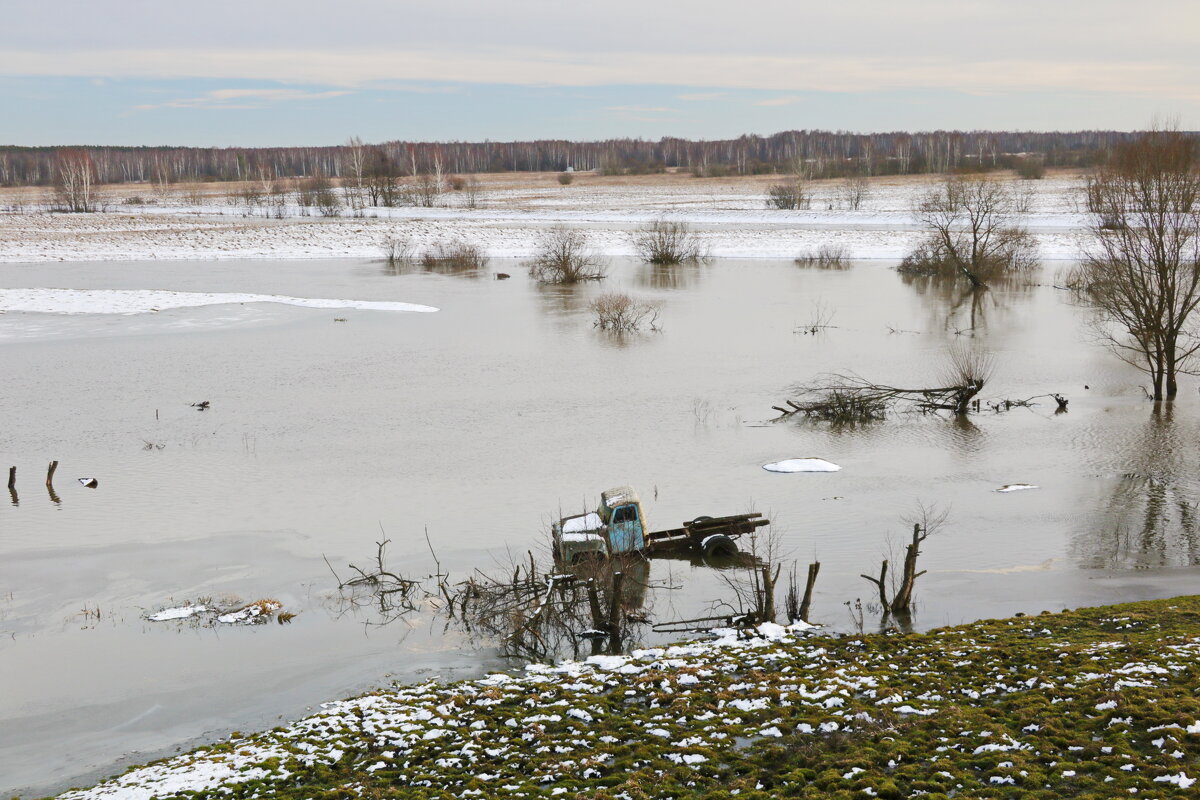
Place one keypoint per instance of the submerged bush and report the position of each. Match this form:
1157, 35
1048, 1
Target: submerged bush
827, 256
667, 242
453, 257
620, 313
563, 257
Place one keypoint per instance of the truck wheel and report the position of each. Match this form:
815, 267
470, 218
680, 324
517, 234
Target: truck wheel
718, 545
698, 520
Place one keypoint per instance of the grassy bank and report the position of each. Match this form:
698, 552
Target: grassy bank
1101, 702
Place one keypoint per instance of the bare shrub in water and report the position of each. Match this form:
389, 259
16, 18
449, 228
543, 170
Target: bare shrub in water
620, 313
972, 232
827, 256
454, 256
396, 250
667, 241
563, 257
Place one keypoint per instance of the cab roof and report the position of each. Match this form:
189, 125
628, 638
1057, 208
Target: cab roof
619, 496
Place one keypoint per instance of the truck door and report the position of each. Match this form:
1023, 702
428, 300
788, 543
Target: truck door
625, 534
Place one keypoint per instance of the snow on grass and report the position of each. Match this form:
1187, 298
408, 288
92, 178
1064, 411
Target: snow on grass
1001, 703
802, 465
144, 301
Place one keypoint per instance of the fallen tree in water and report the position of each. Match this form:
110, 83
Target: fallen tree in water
846, 397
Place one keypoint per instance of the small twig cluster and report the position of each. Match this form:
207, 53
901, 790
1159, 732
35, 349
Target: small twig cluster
620, 313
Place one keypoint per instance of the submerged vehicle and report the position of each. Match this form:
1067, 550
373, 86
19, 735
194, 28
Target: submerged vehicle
619, 526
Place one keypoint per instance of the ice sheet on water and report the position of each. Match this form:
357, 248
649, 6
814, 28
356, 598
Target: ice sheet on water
1017, 487
143, 301
802, 465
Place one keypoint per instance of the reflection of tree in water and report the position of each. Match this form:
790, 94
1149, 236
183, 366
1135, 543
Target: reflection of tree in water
434, 266
556, 300
1151, 518
668, 276
961, 308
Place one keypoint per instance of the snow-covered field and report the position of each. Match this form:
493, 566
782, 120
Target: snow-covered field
730, 216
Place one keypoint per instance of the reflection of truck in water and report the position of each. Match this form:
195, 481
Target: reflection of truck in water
619, 526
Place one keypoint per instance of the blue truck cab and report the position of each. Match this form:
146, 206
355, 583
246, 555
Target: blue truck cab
617, 526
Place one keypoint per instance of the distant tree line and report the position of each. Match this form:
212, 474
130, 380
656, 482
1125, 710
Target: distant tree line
819, 153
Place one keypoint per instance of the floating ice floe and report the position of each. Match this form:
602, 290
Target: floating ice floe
1017, 487
802, 465
143, 301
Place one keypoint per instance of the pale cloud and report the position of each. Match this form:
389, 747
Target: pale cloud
226, 99
639, 109
779, 101
697, 97
522, 66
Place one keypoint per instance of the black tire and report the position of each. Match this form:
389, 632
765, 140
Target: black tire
698, 520
718, 546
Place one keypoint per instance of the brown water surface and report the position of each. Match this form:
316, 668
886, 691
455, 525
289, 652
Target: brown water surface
481, 422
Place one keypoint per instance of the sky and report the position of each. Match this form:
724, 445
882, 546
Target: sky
265, 72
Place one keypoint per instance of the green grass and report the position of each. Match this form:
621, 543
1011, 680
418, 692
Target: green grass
1058, 705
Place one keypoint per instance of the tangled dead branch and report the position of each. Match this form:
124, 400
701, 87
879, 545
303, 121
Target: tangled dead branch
846, 397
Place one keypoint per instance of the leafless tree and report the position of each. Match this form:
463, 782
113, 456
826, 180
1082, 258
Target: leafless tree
1142, 270
75, 179
972, 230
355, 172
425, 190
925, 522
563, 257
472, 191
853, 190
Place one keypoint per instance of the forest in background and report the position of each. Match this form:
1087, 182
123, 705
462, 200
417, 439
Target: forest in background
818, 154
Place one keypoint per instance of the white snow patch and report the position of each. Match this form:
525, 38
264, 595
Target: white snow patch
180, 612
802, 465
1017, 487
1181, 780
143, 301
584, 522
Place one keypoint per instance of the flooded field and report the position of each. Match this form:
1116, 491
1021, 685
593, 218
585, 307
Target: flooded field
329, 429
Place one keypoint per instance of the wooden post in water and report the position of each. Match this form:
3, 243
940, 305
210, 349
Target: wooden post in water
12, 478
594, 602
50, 473
614, 614
768, 593
806, 603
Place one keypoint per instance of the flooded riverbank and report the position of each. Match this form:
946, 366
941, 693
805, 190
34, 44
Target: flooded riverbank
481, 422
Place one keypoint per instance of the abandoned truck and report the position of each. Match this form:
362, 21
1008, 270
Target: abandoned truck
619, 526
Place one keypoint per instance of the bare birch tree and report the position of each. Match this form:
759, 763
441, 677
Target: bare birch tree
75, 179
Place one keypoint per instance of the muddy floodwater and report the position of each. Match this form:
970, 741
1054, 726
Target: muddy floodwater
329, 429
